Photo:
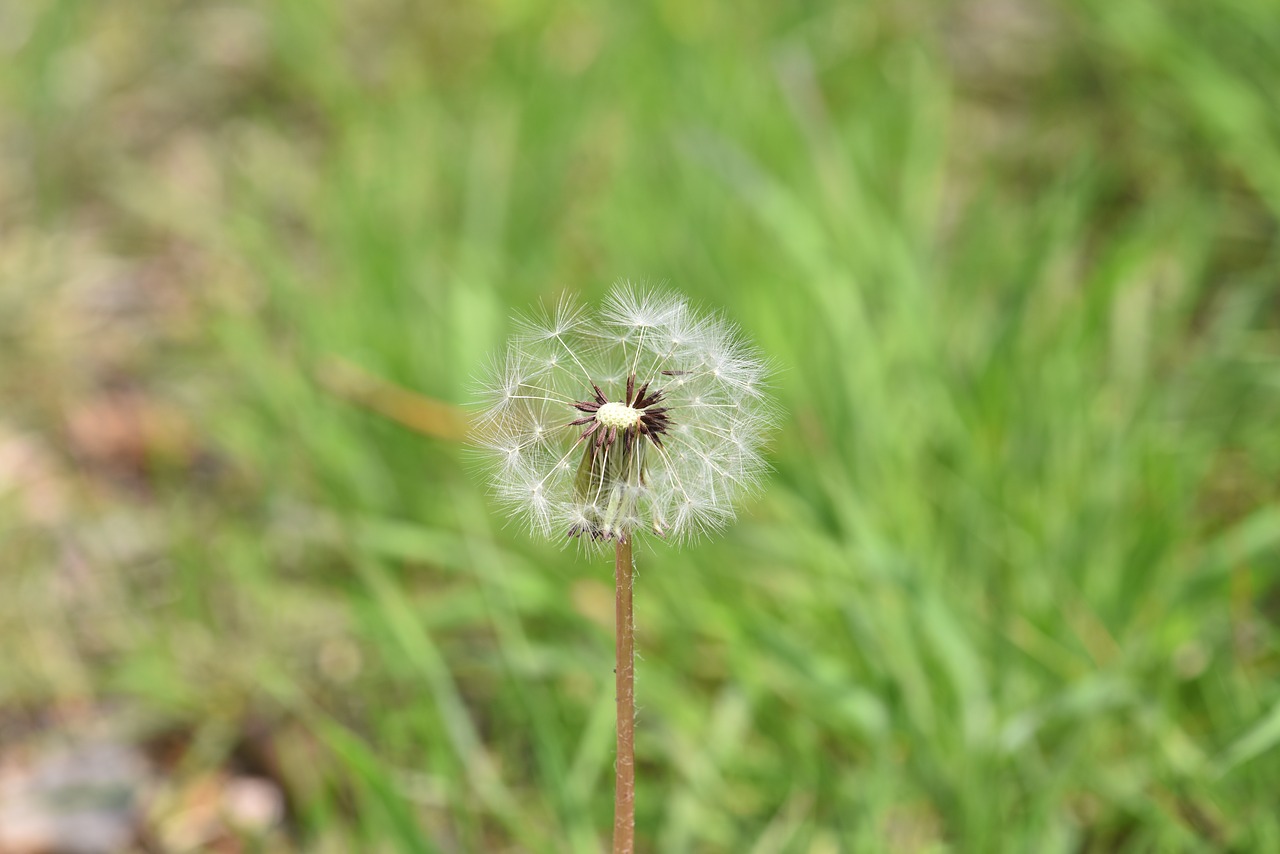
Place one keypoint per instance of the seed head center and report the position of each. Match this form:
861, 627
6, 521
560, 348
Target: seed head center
618, 415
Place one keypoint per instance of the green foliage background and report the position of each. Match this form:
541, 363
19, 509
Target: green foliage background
1013, 584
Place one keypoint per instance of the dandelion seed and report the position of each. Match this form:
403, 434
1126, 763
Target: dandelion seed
648, 417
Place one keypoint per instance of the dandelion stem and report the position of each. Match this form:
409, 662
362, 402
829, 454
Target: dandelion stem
624, 805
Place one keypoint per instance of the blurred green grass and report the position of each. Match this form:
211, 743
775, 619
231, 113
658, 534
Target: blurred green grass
1013, 584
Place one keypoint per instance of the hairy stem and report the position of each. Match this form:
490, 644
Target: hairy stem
624, 803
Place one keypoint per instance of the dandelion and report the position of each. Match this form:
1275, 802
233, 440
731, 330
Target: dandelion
648, 418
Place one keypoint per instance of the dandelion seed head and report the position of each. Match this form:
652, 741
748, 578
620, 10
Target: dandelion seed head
646, 417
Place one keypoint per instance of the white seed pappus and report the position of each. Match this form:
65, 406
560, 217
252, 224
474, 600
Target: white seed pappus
648, 417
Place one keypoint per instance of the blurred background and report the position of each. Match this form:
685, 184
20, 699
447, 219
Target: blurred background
1012, 585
